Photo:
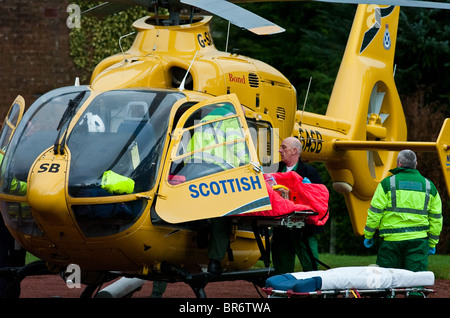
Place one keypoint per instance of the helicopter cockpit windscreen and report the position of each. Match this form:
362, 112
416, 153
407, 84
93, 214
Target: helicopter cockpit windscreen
212, 141
36, 132
116, 145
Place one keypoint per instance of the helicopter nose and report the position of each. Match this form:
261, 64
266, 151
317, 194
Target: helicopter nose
46, 189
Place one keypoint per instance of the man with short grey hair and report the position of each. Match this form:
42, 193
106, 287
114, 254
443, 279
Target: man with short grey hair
407, 159
289, 243
407, 211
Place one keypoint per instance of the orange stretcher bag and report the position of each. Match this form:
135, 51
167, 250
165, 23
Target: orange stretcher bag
296, 196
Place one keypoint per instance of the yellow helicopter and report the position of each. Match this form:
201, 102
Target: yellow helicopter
98, 175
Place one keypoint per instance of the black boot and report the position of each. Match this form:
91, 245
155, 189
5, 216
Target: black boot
215, 267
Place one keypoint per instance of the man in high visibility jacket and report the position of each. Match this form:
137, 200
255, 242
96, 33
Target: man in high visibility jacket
11, 254
219, 136
407, 211
222, 142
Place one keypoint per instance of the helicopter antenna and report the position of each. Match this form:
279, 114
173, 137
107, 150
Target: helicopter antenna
228, 36
120, 45
181, 87
306, 97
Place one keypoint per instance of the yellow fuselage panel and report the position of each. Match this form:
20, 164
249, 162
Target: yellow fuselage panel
141, 245
157, 51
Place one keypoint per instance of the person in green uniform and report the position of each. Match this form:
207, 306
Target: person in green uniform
406, 210
221, 139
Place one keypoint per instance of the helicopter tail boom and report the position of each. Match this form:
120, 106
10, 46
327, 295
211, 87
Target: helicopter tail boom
441, 146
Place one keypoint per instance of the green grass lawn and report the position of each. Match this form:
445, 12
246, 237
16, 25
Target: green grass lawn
438, 264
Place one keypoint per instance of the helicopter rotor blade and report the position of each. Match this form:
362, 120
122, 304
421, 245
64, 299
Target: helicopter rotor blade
240, 16
225, 9
401, 3
107, 8
237, 16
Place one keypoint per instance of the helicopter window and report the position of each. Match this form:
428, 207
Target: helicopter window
36, 132
212, 141
263, 138
180, 111
20, 218
97, 220
8, 127
116, 146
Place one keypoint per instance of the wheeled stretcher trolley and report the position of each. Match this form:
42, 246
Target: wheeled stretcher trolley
351, 282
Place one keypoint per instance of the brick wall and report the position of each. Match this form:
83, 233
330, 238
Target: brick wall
34, 50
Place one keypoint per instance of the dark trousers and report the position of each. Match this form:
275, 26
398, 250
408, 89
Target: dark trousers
409, 254
219, 239
9, 256
289, 243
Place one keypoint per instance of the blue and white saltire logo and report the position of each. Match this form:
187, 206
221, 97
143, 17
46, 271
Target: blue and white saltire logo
369, 35
387, 39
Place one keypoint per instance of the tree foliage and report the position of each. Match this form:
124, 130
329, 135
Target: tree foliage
423, 55
98, 38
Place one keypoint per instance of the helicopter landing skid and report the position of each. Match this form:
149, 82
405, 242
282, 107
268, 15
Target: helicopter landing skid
198, 281
260, 227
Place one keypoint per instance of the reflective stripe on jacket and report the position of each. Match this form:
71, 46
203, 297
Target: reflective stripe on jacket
213, 136
405, 206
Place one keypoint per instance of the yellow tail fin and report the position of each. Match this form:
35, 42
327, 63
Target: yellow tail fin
365, 95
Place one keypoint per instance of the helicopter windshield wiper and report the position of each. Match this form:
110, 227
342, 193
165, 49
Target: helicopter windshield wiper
68, 114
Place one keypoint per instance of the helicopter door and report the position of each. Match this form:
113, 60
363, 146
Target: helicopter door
212, 168
12, 119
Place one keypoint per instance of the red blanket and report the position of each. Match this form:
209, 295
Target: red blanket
303, 197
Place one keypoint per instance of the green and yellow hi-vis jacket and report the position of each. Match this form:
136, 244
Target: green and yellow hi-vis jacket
405, 206
217, 137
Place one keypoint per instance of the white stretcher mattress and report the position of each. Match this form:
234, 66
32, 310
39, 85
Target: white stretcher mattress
359, 277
